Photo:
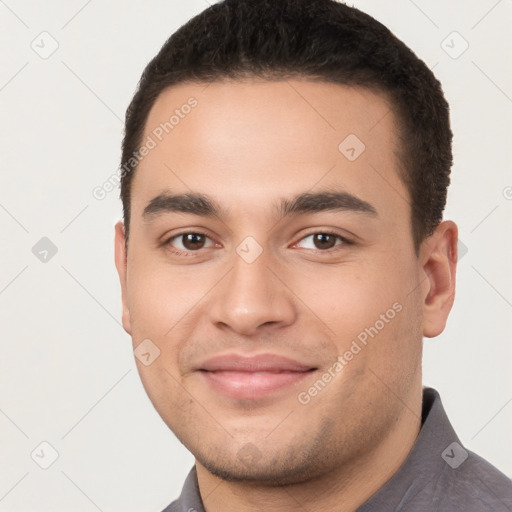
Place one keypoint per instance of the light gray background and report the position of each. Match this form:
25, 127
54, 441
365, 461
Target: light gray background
67, 371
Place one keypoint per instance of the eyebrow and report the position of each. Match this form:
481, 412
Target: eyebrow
325, 201
202, 205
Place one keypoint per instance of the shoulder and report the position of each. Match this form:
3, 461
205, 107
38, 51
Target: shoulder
477, 485
473, 486
440, 474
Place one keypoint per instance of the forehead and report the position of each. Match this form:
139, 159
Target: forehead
246, 139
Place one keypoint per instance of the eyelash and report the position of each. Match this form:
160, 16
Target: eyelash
179, 252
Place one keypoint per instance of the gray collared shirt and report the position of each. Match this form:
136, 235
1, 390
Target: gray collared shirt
438, 475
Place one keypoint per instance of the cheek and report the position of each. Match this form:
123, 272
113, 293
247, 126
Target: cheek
169, 398
348, 298
160, 296
369, 304
159, 300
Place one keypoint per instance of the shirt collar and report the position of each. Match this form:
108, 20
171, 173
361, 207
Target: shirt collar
424, 464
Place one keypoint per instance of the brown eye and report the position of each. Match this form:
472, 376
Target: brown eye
188, 243
193, 241
324, 240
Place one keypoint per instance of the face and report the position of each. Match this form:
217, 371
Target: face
271, 270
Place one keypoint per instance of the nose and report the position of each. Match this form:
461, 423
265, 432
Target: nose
252, 298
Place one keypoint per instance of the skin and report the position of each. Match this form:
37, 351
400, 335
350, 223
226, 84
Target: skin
248, 145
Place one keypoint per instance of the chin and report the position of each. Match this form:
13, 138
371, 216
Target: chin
252, 466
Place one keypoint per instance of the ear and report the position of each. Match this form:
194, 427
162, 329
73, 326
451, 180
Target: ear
121, 265
438, 257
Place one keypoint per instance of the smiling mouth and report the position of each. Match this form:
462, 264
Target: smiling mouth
252, 376
253, 384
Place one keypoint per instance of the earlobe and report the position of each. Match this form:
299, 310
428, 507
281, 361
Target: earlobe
121, 262
439, 260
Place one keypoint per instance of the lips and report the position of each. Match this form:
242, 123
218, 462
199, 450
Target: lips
257, 363
252, 377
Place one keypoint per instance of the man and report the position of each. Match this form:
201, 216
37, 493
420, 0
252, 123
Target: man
284, 173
